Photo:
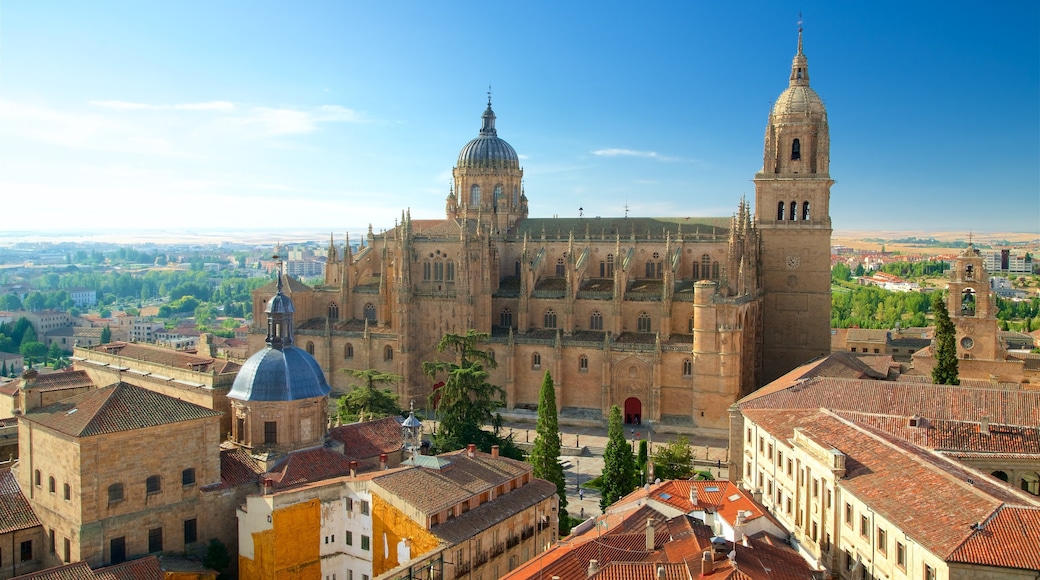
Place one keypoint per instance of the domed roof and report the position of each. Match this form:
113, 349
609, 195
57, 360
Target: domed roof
279, 374
487, 150
799, 100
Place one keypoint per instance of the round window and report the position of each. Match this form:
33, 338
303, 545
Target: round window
967, 342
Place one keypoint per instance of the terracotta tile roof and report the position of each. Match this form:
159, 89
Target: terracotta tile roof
54, 381
237, 467
642, 571
147, 568
15, 512
369, 439
1010, 539
495, 511
432, 491
118, 407
74, 571
724, 497
904, 398
307, 466
948, 435
10, 388
168, 357
946, 497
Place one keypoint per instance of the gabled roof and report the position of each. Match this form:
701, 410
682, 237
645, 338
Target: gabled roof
431, 491
15, 512
74, 571
290, 286
307, 466
118, 407
721, 496
369, 439
490, 513
1008, 540
147, 568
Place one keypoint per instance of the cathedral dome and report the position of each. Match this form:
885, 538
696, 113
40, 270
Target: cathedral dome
488, 150
798, 100
279, 374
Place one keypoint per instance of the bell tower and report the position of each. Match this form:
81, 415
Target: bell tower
792, 205
972, 309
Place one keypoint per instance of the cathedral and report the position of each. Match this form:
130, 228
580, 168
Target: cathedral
670, 318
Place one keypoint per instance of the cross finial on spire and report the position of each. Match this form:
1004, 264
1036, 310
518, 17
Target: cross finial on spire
489, 95
799, 33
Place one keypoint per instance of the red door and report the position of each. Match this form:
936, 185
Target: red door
633, 411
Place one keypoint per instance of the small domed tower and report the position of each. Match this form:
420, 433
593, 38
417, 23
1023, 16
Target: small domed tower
792, 204
279, 400
488, 180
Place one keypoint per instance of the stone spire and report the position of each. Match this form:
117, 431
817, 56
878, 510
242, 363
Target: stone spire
800, 65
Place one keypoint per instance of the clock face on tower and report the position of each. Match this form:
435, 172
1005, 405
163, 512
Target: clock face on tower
793, 262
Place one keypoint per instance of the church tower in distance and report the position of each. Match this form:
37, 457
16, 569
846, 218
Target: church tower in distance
792, 197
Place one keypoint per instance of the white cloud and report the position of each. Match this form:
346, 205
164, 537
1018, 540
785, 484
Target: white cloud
625, 153
217, 106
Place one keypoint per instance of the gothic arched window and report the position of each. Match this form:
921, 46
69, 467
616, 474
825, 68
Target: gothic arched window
687, 368
705, 266
560, 270
334, 311
426, 271
536, 361
438, 271
610, 265
596, 321
583, 364
550, 318
450, 275
388, 353
644, 322
714, 270
696, 270
805, 211
348, 350
498, 193
474, 195
794, 211
780, 211
516, 196
505, 317
370, 312
796, 146
649, 269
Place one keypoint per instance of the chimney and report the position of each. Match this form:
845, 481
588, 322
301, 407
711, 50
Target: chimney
984, 426
693, 494
353, 468
382, 461
757, 494
593, 568
494, 451
268, 483
660, 572
649, 534
707, 563
471, 449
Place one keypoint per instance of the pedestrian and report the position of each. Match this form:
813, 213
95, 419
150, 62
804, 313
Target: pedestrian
582, 511
581, 494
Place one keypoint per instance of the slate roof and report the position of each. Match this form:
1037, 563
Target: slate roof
431, 491
369, 439
115, 408
168, 357
74, 571
147, 568
15, 512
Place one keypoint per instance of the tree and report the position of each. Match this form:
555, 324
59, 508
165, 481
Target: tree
366, 401
545, 455
106, 335
674, 461
55, 353
619, 464
467, 401
32, 350
945, 370
217, 558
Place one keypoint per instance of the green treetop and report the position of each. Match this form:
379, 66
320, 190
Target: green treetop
365, 401
945, 371
545, 455
619, 464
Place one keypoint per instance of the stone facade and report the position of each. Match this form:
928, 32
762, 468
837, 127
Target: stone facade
664, 317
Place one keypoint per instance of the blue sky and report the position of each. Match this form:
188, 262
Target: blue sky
321, 116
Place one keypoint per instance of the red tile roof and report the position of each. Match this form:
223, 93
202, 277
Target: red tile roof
118, 407
958, 436
307, 466
147, 568
168, 357
15, 511
370, 439
67, 379
74, 571
1010, 539
237, 467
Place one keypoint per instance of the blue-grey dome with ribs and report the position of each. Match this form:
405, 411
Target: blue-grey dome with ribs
279, 374
487, 150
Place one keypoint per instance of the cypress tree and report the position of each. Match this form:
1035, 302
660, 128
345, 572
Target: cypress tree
945, 371
619, 464
545, 454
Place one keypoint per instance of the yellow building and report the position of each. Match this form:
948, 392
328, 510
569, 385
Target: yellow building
672, 319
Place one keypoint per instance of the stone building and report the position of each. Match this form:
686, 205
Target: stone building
670, 318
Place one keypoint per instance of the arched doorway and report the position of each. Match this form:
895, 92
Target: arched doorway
633, 411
